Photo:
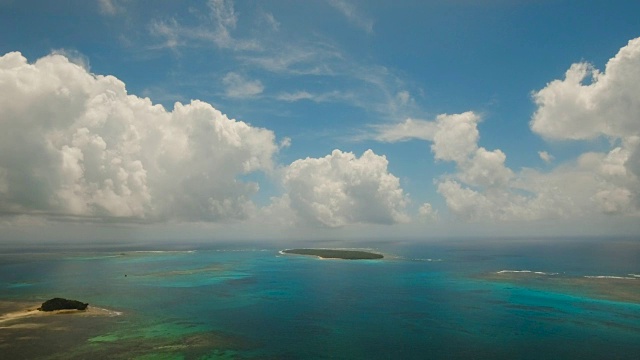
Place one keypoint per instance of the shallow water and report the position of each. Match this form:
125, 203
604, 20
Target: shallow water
436, 299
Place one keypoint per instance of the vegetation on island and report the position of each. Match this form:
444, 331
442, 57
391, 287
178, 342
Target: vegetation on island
336, 254
62, 304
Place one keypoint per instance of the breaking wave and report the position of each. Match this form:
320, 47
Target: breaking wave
635, 277
526, 272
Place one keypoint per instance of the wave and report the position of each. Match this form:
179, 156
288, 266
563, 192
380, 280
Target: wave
164, 251
110, 313
241, 250
526, 272
612, 277
427, 260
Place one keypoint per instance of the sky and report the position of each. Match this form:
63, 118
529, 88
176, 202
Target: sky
328, 119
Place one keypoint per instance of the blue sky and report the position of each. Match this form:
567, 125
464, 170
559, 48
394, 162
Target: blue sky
492, 117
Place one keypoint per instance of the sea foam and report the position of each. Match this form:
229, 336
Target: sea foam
526, 272
611, 277
110, 313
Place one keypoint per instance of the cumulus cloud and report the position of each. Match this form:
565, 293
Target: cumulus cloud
584, 105
427, 212
485, 168
238, 86
596, 183
454, 136
485, 188
76, 144
341, 189
75, 57
588, 103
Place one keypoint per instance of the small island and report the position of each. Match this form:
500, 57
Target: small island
335, 254
62, 304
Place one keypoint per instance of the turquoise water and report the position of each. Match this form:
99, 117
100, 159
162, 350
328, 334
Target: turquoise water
425, 300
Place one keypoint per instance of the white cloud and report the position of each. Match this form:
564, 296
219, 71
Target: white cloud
353, 15
485, 168
403, 98
427, 212
295, 96
289, 53
170, 31
225, 20
407, 130
304, 95
616, 200
271, 21
484, 188
217, 29
545, 156
341, 189
464, 202
545, 200
456, 136
609, 105
76, 144
285, 142
307, 58
596, 183
109, 7
238, 86
75, 57
279, 212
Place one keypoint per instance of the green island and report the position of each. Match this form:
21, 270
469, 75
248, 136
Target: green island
335, 254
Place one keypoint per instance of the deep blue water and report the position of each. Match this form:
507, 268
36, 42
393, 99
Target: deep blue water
424, 300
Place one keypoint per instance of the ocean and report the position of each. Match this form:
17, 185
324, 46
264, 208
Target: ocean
566, 298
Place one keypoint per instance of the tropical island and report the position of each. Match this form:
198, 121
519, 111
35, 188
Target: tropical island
335, 254
62, 304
